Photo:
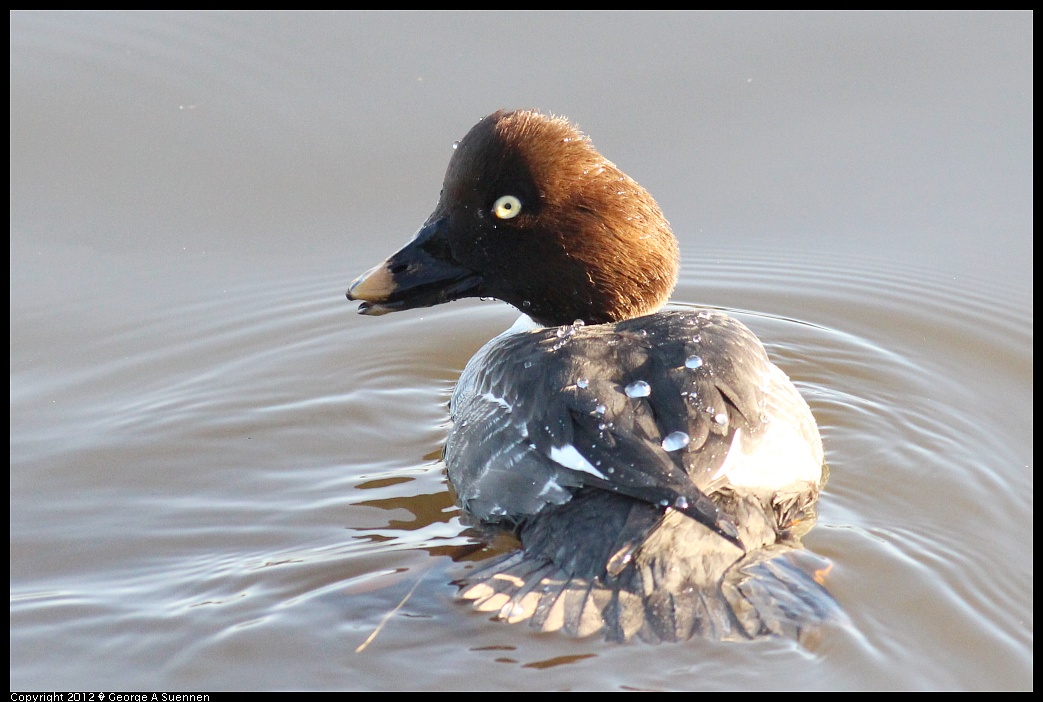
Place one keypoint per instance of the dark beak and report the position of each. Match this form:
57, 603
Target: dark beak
421, 274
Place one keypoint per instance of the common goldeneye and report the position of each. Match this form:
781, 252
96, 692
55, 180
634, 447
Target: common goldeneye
656, 467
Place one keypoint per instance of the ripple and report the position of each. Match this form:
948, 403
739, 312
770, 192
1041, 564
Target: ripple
244, 434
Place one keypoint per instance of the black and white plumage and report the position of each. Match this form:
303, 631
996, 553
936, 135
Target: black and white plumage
657, 468
656, 439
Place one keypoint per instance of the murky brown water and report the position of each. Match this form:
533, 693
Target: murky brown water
223, 478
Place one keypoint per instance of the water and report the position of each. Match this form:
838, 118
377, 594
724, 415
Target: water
224, 478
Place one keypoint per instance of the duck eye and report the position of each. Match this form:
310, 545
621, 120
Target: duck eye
507, 207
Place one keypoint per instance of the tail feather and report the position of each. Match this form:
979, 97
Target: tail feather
777, 591
675, 580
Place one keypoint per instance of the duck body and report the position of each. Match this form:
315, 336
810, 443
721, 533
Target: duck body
657, 468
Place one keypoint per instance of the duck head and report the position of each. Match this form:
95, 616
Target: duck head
530, 213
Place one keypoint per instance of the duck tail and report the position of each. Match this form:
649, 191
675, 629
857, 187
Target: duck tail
652, 576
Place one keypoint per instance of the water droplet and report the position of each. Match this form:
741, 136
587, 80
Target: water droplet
676, 440
681, 502
693, 362
600, 409
638, 388
528, 364
721, 418
582, 382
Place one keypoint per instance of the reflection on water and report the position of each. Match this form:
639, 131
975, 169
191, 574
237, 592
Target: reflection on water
223, 478
276, 477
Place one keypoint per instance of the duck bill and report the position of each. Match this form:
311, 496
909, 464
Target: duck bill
423, 273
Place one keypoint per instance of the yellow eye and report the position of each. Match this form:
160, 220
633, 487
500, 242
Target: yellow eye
507, 207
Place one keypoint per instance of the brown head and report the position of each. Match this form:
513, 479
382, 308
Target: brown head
530, 213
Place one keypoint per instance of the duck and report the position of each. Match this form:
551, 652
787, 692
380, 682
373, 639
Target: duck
656, 469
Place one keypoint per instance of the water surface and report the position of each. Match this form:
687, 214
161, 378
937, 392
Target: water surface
224, 478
